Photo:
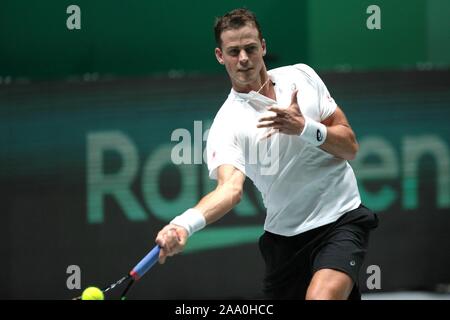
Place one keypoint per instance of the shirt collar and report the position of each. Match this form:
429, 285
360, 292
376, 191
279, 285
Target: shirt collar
252, 94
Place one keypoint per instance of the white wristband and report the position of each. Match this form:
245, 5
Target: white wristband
192, 220
314, 132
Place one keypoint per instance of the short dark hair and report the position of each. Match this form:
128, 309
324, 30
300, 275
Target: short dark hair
235, 19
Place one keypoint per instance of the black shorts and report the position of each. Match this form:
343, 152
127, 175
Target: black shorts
292, 261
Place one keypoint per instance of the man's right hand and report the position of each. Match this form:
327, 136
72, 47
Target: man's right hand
172, 240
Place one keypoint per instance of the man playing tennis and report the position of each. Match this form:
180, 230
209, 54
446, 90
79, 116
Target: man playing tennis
316, 229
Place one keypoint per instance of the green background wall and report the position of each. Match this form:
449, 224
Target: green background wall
139, 37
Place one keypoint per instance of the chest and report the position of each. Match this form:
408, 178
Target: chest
257, 106
307, 96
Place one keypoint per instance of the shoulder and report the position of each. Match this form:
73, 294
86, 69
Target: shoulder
304, 68
296, 70
226, 116
228, 108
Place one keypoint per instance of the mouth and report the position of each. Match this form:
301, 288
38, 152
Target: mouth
245, 70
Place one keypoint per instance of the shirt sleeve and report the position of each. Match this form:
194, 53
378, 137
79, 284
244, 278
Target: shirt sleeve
223, 147
327, 105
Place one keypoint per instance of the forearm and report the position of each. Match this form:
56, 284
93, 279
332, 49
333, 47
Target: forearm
217, 203
340, 142
173, 237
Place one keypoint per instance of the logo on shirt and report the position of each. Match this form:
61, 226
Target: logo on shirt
319, 135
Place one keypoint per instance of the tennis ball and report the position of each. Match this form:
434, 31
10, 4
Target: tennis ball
92, 293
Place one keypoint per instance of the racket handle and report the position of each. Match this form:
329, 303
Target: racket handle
145, 264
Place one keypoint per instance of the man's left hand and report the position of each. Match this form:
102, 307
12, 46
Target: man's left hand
286, 120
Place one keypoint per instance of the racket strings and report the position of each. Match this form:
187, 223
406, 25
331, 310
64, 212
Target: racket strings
115, 284
138, 271
112, 286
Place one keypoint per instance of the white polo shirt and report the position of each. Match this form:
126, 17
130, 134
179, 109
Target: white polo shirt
302, 186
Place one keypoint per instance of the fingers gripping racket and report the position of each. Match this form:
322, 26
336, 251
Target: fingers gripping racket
136, 273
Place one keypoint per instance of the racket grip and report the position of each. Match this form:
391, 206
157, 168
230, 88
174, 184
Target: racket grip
145, 264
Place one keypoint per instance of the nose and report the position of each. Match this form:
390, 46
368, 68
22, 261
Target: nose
243, 57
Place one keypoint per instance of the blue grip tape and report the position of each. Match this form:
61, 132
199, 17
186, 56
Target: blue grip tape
145, 264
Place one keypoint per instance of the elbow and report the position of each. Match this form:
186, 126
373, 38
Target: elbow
352, 147
237, 195
353, 150
232, 193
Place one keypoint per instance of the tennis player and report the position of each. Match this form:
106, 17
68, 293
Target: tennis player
316, 229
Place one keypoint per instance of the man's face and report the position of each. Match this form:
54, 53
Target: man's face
242, 54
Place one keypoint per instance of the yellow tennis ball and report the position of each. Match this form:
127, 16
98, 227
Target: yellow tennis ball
92, 293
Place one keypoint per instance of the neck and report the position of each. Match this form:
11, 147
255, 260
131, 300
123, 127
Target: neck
262, 85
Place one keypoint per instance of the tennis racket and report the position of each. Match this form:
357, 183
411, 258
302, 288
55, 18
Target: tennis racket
135, 274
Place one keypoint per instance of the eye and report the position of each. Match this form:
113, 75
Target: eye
233, 52
251, 49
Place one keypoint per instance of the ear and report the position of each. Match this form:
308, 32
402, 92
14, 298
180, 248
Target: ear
219, 55
263, 45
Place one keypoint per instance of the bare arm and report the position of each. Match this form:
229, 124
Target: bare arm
230, 182
228, 193
340, 140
